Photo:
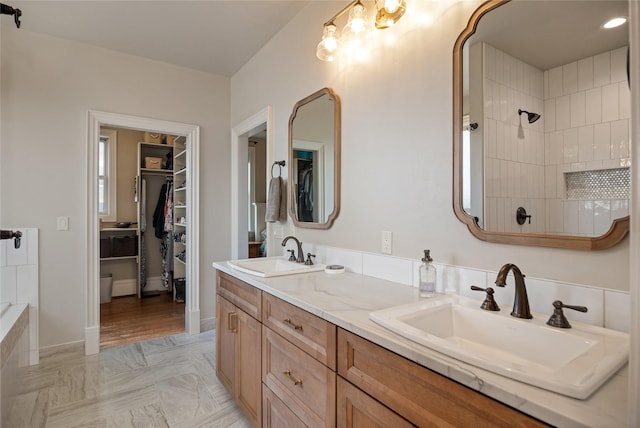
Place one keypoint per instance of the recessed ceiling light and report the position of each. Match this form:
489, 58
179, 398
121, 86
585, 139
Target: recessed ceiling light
614, 22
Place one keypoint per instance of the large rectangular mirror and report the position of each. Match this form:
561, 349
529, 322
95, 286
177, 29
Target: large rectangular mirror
314, 160
541, 123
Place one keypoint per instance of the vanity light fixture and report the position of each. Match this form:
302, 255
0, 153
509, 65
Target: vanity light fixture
358, 27
614, 22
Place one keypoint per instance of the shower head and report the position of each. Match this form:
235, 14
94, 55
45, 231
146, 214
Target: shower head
531, 117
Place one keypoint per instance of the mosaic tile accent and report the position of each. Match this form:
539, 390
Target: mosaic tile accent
612, 183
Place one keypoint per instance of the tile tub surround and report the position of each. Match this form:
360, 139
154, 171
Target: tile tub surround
19, 281
347, 299
165, 382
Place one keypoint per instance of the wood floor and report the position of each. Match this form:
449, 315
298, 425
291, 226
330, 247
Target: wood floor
129, 319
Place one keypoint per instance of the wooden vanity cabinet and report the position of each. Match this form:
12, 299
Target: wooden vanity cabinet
298, 368
239, 344
421, 396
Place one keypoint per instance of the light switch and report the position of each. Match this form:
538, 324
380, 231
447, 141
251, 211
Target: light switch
63, 223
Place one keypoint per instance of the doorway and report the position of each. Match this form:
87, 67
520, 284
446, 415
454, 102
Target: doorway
248, 192
142, 279
190, 139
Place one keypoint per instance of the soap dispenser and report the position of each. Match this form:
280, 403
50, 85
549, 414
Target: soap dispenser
428, 276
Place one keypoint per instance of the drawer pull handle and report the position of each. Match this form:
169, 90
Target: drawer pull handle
296, 382
232, 321
292, 325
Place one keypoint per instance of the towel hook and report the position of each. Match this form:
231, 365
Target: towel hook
280, 164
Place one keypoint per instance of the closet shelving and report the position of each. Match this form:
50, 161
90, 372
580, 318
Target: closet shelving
180, 214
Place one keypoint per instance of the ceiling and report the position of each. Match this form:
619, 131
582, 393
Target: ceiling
215, 36
546, 34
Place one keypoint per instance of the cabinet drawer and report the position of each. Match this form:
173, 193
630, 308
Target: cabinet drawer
420, 395
308, 332
355, 409
244, 296
306, 385
276, 414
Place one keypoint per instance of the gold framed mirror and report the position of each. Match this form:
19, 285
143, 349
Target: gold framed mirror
512, 98
314, 160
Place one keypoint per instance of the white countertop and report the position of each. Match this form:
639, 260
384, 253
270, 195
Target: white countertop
346, 300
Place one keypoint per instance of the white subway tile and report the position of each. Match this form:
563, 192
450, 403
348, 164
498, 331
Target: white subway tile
32, 245
610, 102
619, 139
489, 61
585, 143
602, 219
563, 112
624, 98
542, 293
556, 216
602, 141
578, 166
619, 208
617, 310
570, 78
500, 77
593, 107
585, 218
550, 183
571, 215
555, 82
491, 132
597, 164
619, 65
550, 115
585, 74
556, 148
3, 253
578, 109
8, 284
602, 69
16, 256
389, 268
545, 84
570, 151
27, 285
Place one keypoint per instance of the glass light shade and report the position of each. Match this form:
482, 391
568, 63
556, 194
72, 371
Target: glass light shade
328, 47
357, 29
389, 12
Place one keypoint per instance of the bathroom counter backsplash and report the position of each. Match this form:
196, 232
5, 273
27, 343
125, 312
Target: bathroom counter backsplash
607, 308
347, 299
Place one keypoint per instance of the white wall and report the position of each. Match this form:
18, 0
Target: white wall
48, 86
396, 145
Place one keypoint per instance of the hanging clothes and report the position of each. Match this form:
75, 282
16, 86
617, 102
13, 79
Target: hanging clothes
163, 229
305, 196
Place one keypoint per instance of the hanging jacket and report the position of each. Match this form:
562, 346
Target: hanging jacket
158, 214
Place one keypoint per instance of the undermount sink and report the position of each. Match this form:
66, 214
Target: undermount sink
573, 362
266, 267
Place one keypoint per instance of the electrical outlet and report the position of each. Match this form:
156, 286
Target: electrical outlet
387, 241
63, 223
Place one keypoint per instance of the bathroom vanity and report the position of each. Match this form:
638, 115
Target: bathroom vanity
300, 350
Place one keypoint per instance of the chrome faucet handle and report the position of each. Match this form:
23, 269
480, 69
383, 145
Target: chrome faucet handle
309, 262
558, 319
292, 256
489, 303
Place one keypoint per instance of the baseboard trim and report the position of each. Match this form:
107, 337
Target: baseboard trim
207, 324
91, 340
124, 287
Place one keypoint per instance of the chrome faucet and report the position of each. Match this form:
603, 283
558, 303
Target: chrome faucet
300, 257
520, 301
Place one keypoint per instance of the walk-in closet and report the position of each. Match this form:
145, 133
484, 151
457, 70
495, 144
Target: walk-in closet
143, 234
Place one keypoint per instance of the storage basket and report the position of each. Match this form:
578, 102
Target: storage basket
122, 246
152, 162
105, 247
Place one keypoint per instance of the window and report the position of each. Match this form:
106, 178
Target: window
107, 157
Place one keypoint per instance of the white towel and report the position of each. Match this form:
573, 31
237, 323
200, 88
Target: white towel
275, 201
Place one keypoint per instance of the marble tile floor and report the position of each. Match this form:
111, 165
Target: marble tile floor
164, 382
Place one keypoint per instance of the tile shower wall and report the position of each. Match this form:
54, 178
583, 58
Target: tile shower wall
586, 109
19, 281
514, 149
607, 308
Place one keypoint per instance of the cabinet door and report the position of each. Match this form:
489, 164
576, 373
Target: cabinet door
277, 414
248, 368
226, 324
355, 409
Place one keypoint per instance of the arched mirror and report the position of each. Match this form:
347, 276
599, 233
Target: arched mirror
541, 116
314, 160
